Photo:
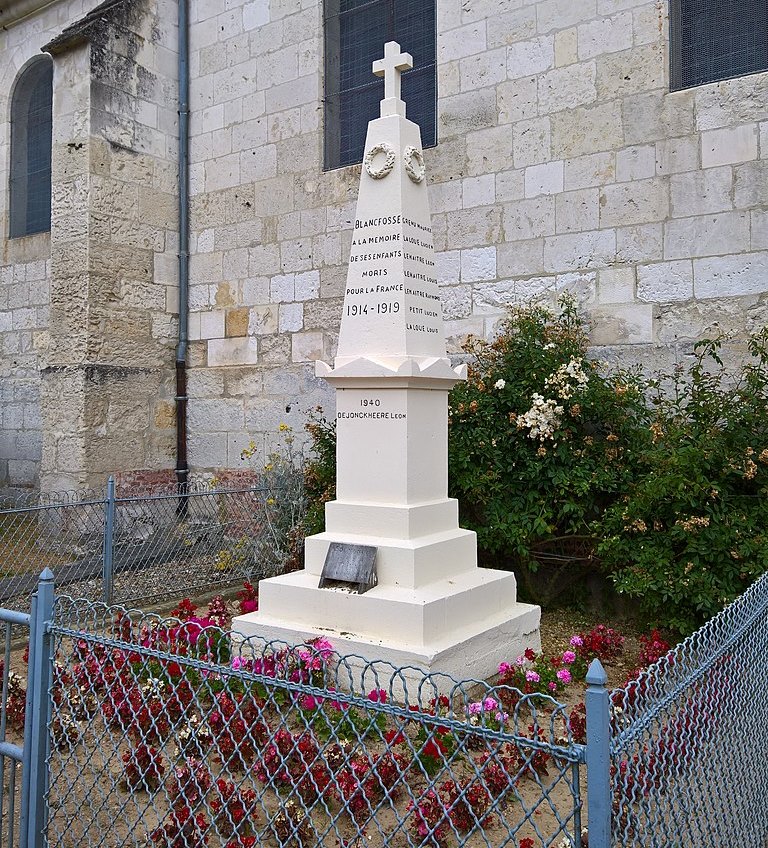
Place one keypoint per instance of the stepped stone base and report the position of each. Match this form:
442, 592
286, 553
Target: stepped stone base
463, 626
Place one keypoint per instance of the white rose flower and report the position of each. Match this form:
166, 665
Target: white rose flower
499, 384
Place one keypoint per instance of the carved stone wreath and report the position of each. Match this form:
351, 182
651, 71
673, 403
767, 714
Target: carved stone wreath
389, 163
414, 163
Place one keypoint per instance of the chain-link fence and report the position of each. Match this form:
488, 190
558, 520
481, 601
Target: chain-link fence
689, 738
125, 548
182, 735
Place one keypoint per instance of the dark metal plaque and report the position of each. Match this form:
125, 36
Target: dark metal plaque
348, 565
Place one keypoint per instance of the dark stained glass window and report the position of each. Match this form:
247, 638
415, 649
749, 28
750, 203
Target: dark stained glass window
714, 40
31, 125
355, 34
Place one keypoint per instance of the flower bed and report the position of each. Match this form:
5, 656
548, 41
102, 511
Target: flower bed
197, 740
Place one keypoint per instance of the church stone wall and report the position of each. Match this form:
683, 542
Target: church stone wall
99, 366
564, 164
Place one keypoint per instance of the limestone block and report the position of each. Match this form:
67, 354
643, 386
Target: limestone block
520, 258
291, 317
566, 47
307, 346
730, 276
707, 235
514, 25
758, 229
510, 185
529, 219
457, 301
462, 41
294, 93
566, 88
470, 227
264, 259
636, 163
448, 80
263, 320
483, 69
281, 288
622, 324
257, 164
204, 383
478, 191
582, 250
582, 285
605, 35
277, 67
517, 100
544, 179
587, 129
478, 264
729, 145
664, 282
559, 14
448, 267
653, 116
750, 185
255, 290
457, 332
731, 102
208, 450
638, 202
642, 243
240, 351
638, 69
531, 143
489, 150
307, 285
674, 155
275, 350
236, 323
594, 169
576, 211
530, 58
702, 192
296, 255
617, 285
496, 297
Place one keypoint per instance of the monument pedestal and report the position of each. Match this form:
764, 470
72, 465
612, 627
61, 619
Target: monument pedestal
433, 608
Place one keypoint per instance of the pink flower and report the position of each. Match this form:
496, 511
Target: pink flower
568, 657
309, 702
378, 696
564, 675
576, 641
504, 668
249, 605
552, 686
474, 708
490, 704
532, 676
520, 661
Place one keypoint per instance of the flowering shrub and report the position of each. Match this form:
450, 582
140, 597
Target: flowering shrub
689, 533
248, 598
541, 441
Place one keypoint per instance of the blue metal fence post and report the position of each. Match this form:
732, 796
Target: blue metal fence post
597, 702
109, 541
35, 778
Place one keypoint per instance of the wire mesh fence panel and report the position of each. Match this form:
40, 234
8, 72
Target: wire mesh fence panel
148, 546
14, 635
179, 733
166, 543
690, 736
63, 531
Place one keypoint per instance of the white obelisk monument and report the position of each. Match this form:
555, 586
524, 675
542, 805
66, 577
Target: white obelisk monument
433, 607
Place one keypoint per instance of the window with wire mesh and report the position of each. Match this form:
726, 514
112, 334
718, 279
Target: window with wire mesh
711, 40
30, 172
355, 34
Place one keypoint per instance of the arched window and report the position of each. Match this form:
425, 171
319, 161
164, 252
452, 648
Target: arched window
30, 185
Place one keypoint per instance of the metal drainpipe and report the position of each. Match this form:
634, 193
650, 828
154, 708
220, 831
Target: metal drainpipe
182, 469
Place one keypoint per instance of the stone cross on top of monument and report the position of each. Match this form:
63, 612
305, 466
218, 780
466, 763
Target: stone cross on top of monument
390, 67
